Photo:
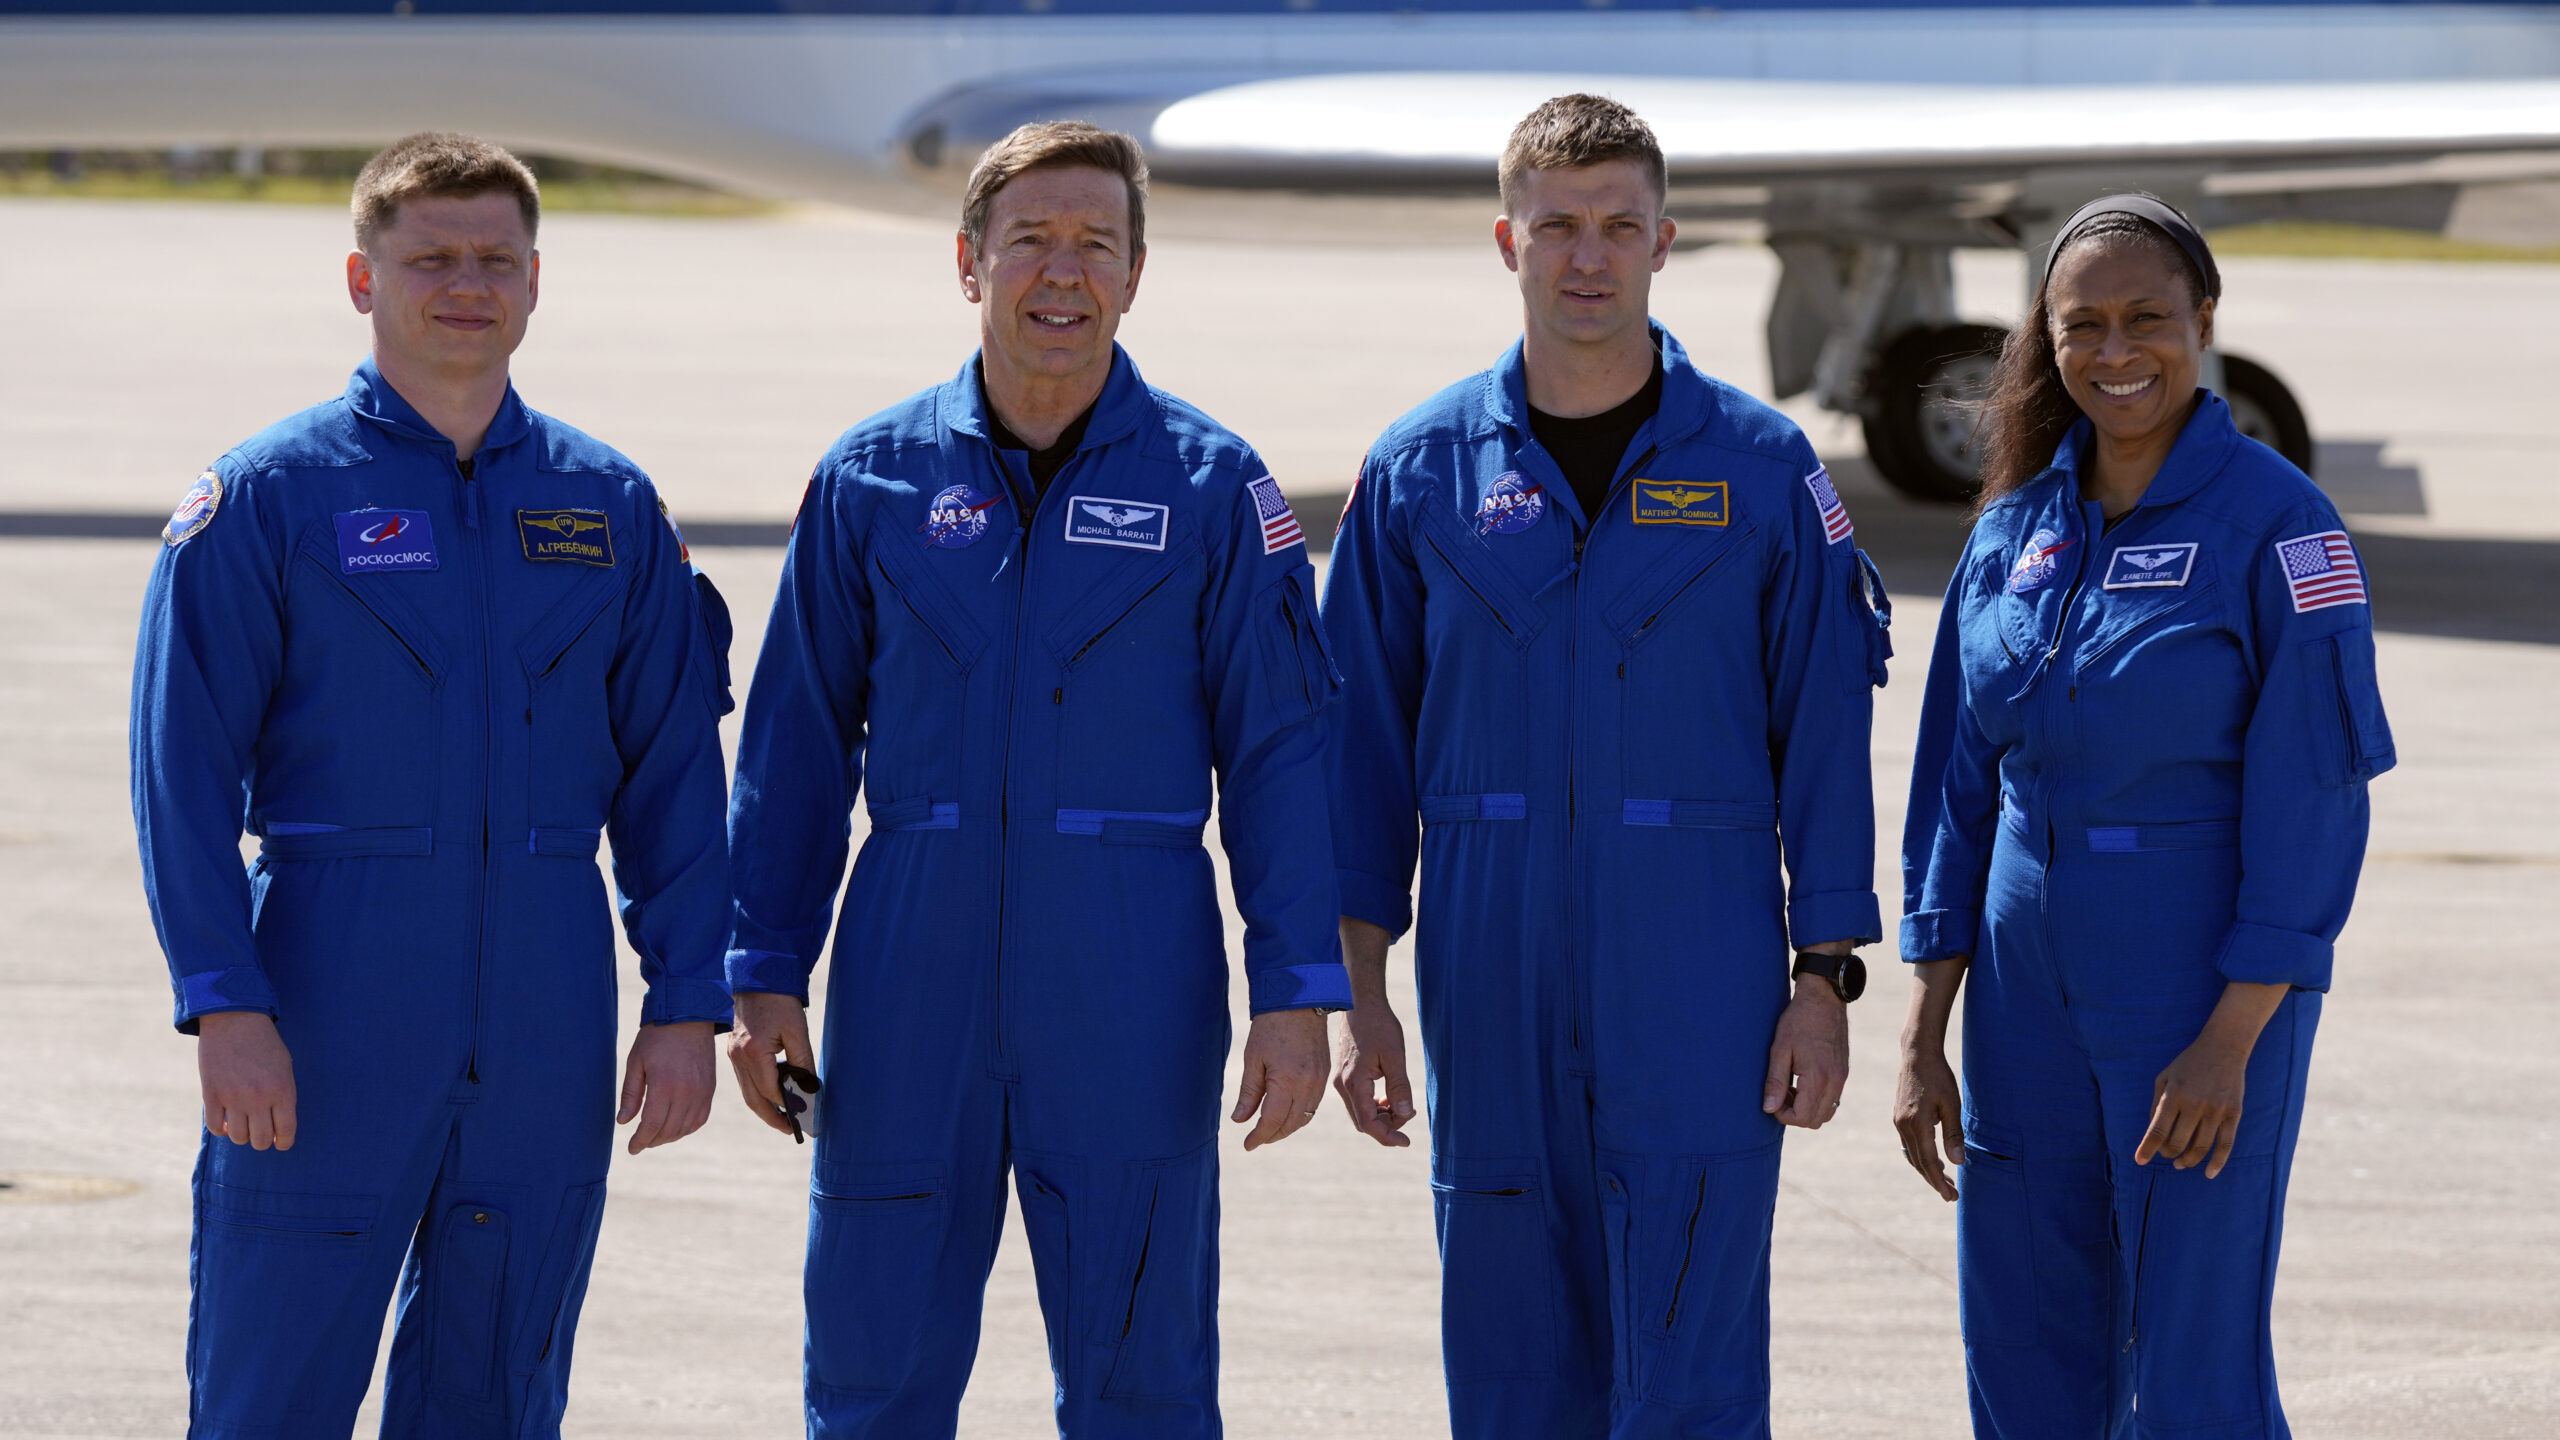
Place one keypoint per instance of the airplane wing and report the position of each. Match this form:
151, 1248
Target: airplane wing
1401, 130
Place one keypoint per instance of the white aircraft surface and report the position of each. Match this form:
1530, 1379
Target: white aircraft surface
1865, 144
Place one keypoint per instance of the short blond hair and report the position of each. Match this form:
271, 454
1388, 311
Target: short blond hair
442, 165
1055, 145
1572, 131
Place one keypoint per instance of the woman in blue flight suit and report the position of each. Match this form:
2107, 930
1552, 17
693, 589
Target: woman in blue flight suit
2137, 814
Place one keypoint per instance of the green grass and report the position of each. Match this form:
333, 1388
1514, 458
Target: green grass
633, 196
2365, 242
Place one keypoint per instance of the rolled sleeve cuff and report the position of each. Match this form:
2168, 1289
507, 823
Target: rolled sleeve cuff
2265, 955
1833, 915
1301, 987
767, 972
209, 992
685, 1001
1929, 935
1382, 903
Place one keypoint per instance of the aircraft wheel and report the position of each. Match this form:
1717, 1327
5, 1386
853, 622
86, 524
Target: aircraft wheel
1925, 384
2265, 411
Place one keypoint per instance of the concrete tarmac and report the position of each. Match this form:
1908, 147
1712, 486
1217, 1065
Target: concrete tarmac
2421, 1283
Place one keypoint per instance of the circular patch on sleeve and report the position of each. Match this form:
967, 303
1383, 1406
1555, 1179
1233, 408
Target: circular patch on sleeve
1512, 504
196, 511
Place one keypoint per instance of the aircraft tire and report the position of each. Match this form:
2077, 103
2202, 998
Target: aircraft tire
1920, 437
2264, 410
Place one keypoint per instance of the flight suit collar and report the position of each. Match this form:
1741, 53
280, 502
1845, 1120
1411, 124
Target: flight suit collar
372, 397
2202, 450
1685, 398
1687, 404
1117, 412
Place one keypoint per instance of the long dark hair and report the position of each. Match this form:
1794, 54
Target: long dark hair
2026, 412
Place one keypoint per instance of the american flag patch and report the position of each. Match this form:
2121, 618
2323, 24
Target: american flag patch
1279, 526
1835, 518
2321, 570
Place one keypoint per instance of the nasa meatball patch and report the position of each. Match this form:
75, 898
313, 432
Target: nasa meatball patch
196, 510
582, 537
380, 542
1101, 520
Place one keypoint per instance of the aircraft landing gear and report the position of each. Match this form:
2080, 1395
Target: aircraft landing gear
1921, 421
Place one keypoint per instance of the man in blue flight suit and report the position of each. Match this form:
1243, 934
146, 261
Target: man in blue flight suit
429, 646
1604, 632
1029, 614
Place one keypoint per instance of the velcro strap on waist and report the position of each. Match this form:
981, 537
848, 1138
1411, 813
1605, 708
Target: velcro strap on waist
1442, 809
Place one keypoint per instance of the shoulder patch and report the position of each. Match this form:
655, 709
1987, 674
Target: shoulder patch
583, 537
1679, 502
2321, 570
1279, 523
1826, 498
196, 510
684, 552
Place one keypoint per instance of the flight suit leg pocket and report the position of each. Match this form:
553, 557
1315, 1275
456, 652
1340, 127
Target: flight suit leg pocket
1697, 1302
275, 1276
1497, 1275
551, 1312
1163, 1322
466, 1284
875, 1242
1995, 1251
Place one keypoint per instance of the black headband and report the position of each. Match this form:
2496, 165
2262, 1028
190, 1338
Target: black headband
2161, 214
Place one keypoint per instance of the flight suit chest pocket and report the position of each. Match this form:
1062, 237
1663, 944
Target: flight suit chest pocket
1470, 596
924, 646
1688, 668
1132, 731
2119, 622
572, 766
355, 732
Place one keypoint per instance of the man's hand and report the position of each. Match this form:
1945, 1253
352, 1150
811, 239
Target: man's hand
1283, 1074
1809, 1058
248, 1079
768, 1026
667, 1082
2195, 1108
1370, 1052
1368, 1055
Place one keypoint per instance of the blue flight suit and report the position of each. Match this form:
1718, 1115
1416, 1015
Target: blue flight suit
1030, 970
428, 697
1599, 721
2141, 774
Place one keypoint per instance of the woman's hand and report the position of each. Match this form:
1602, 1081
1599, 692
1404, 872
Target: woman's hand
2196, 1102
1926, 1100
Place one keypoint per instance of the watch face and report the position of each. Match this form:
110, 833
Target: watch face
1853, 978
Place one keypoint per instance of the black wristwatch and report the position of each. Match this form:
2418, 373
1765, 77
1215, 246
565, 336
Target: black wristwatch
1847, 973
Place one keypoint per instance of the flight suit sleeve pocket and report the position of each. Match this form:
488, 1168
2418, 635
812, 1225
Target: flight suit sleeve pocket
717, 632
1301, 678
1870, 630
875, 1240
2360, 736
1995, 1252
1497, 1291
